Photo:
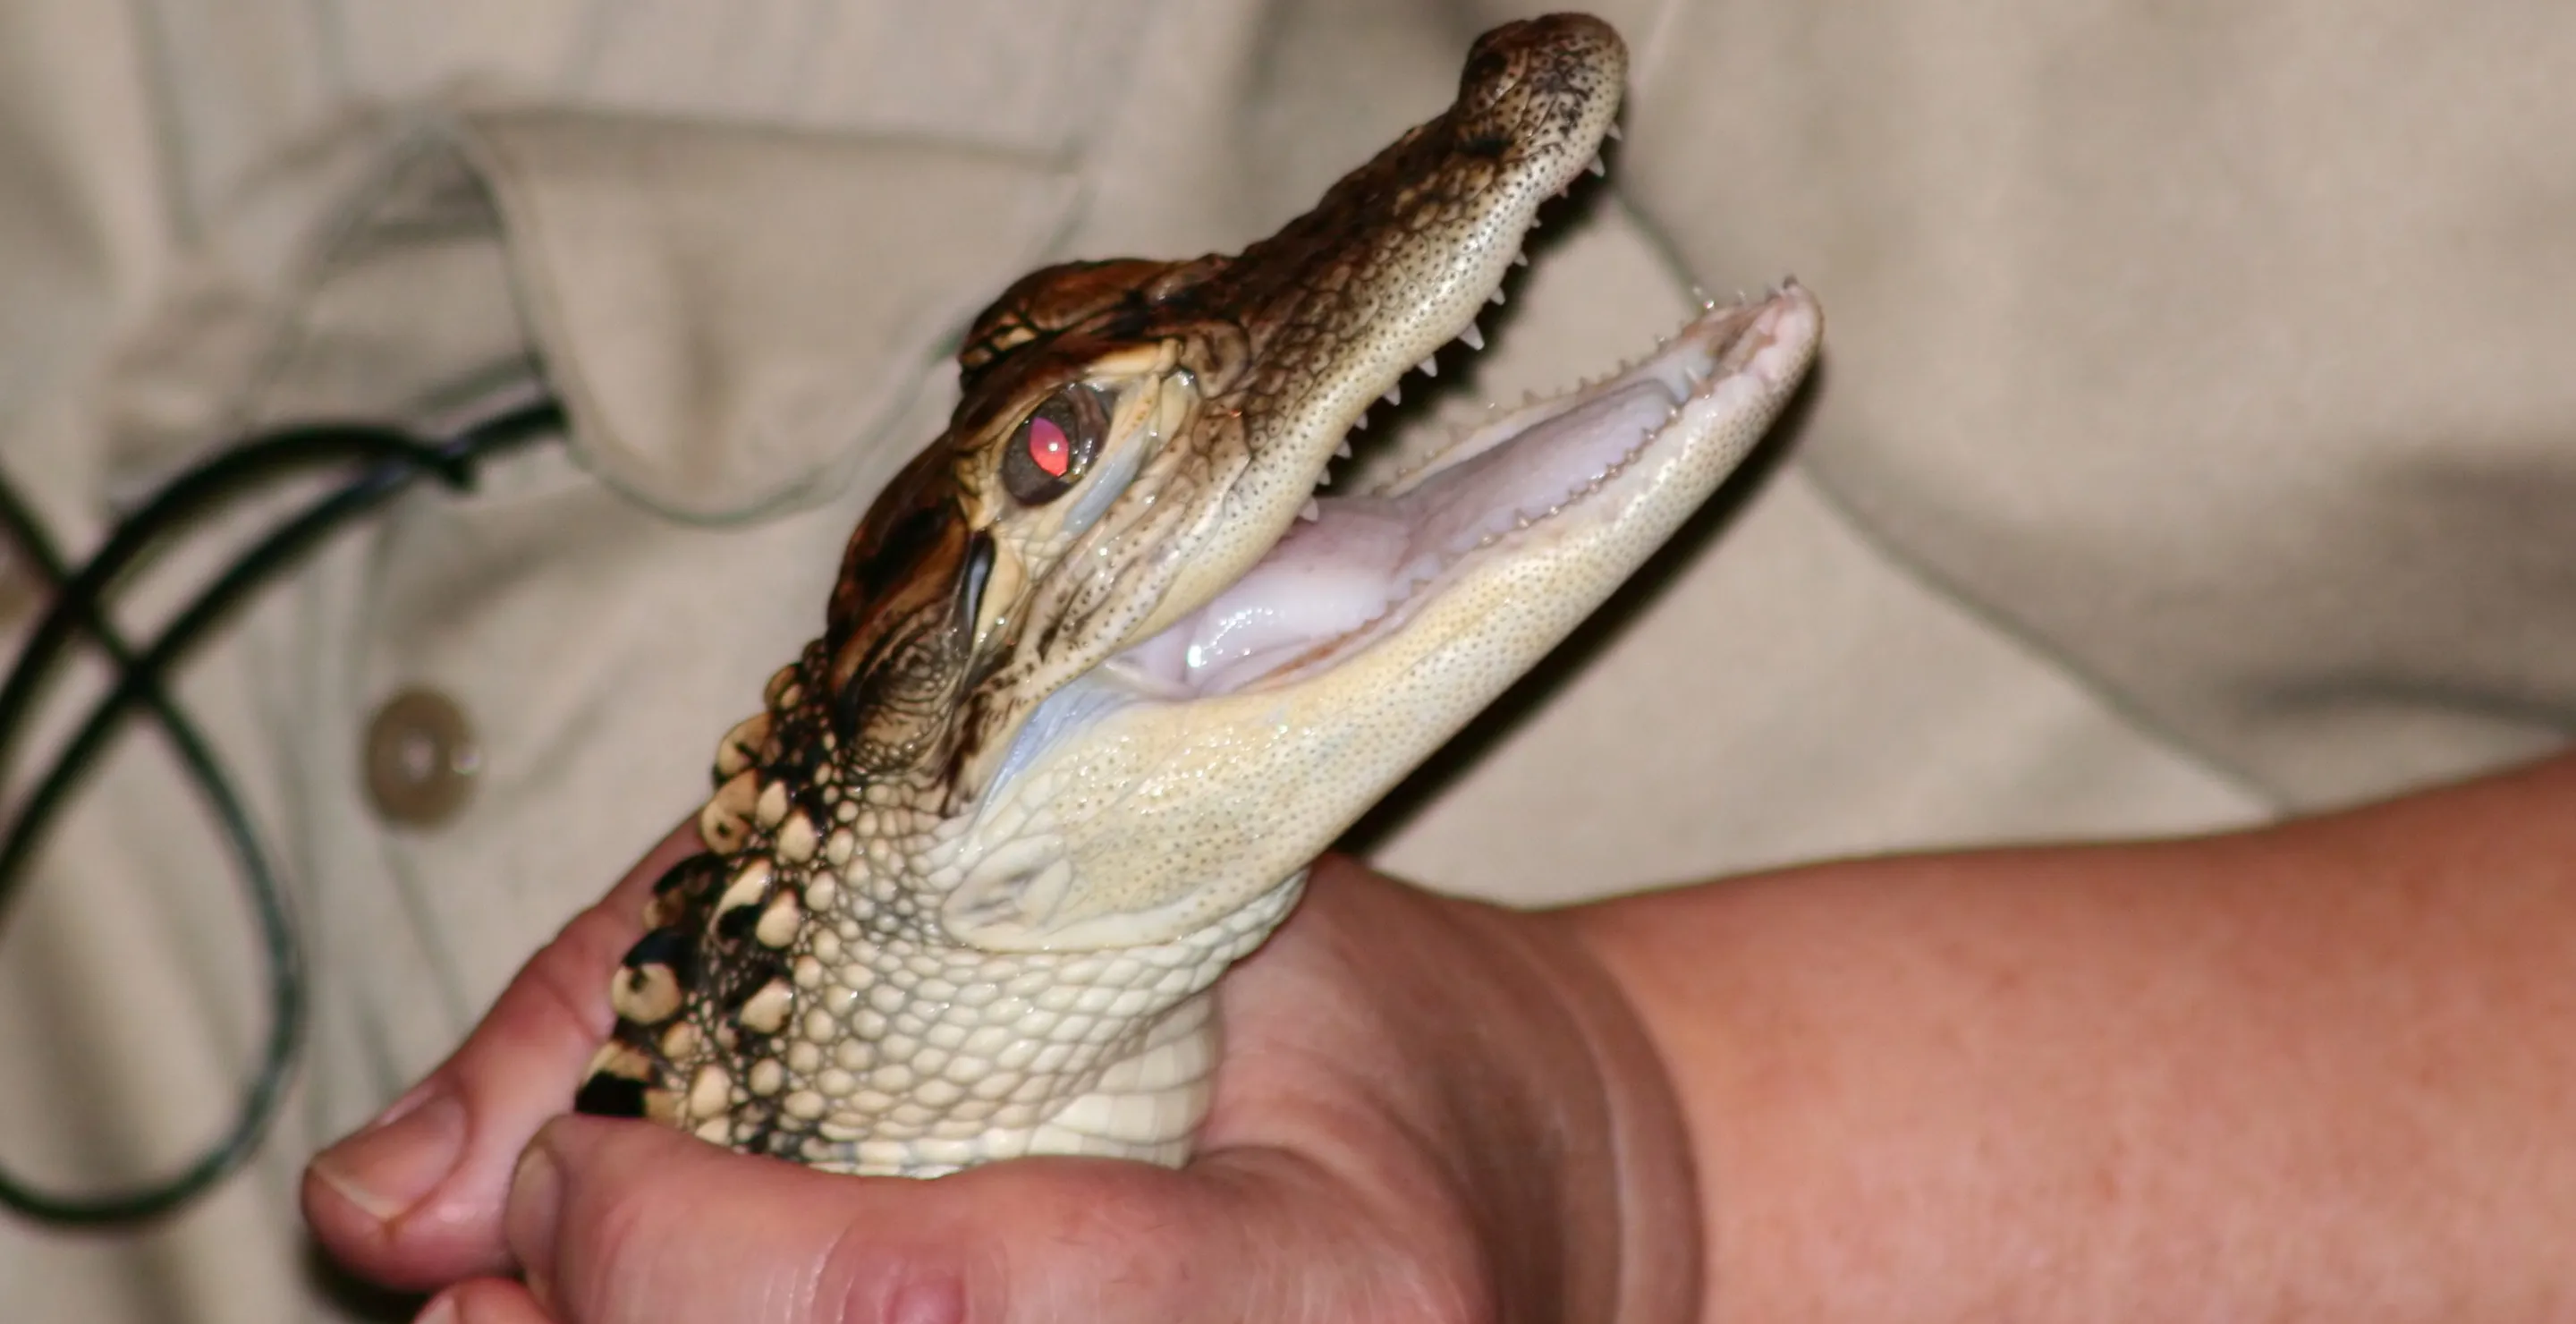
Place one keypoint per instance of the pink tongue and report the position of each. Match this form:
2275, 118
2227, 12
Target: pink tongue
1336, 573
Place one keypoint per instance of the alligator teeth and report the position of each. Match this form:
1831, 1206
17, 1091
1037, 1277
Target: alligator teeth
1343, 451
1313, 510
1520, 259
1361, 426
1395, 394
1596, 167
1475, 339
1613, 133
1496, 297
1426, 367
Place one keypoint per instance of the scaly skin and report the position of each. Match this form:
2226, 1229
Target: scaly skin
998, 830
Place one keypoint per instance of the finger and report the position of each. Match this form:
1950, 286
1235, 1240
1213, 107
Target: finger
485, 1301
620, 1222
414, 1198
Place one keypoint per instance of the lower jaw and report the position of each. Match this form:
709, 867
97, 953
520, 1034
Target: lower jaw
1360, 562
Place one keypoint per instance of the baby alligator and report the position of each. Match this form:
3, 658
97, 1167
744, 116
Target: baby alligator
1104, 668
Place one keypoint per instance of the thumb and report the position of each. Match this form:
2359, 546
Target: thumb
412, 1199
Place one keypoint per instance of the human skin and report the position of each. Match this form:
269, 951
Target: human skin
2316, 1069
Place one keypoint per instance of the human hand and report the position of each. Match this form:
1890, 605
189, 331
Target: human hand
1427, 1109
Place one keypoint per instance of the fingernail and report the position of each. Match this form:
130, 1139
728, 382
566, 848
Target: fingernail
385, 1168
440, 1311
536, 1200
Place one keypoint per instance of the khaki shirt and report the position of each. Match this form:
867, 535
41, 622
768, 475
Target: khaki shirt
2193, 446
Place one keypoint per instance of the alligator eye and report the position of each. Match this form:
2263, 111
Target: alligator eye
1054, 446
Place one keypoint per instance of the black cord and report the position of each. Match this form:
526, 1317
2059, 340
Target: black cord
75, 603
398, 459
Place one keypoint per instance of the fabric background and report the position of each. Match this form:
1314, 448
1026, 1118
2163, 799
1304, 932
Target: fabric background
2192, 445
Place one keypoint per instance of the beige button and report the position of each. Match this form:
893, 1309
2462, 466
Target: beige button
421, 758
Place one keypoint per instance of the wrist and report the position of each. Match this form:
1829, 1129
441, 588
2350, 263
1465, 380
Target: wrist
1601, 1128
1653, 1192
1493, 1096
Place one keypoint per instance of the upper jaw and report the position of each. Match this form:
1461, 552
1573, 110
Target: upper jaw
1393, 263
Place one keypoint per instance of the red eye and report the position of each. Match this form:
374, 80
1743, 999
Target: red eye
1054, 446
1049, 447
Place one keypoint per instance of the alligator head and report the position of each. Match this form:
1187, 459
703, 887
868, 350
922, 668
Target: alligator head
1104, 669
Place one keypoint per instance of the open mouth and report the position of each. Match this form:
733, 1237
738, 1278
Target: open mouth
1359, 565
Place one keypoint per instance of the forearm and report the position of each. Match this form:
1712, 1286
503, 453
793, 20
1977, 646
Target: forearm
2317, 1070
